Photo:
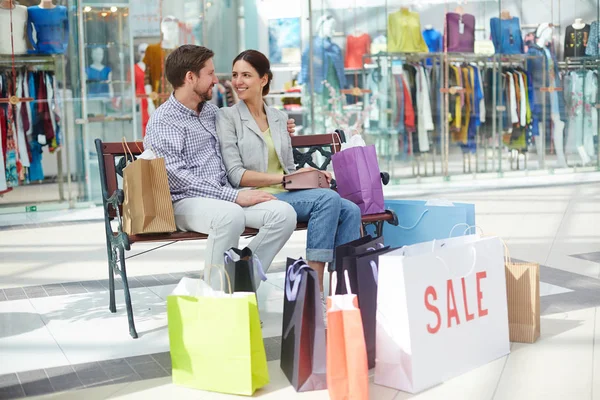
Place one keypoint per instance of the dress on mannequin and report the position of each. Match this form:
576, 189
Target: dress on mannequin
157, 53
433, 39
19, 19
576, 39
51, 27
460, 36
140, 86
506, 34
98, 76
356, 48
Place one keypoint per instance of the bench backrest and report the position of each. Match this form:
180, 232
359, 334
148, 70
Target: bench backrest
109, 155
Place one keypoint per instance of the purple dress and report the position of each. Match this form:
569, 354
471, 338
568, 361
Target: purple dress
460, 33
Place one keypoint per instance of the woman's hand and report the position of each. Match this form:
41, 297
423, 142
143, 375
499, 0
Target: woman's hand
291, 126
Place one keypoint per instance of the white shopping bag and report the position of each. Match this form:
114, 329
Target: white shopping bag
441, 311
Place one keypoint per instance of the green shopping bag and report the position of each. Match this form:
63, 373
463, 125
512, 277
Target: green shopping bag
216, 339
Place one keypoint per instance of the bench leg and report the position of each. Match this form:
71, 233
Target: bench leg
123, 273
378, 228
112, 264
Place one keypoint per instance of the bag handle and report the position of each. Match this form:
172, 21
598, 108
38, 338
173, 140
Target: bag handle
291, 292
470, 270
416, 223
375, 272
469, 227
380, 245
333, 144
334, 282
126, 150
221, 276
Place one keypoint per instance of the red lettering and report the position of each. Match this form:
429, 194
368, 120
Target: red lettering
452, 312
430, 291
464, 292
479, 276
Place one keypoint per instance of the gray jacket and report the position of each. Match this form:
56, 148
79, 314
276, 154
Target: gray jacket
243, 146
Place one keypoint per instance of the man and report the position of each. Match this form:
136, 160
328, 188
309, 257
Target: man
183, 131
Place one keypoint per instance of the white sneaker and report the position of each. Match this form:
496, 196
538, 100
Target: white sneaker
324, 305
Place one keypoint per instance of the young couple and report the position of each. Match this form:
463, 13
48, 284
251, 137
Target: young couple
226, 166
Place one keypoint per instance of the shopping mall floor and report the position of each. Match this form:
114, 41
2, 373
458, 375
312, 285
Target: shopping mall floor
58, 339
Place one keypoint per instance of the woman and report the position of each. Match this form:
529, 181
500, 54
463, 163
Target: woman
257, 152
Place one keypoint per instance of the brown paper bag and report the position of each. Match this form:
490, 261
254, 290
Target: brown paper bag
147, 207
523, 295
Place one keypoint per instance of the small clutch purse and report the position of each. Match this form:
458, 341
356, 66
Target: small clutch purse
313, 179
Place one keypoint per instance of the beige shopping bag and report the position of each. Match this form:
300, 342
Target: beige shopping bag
523, 295
147, 207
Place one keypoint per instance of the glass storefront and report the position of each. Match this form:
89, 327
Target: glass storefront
442, 89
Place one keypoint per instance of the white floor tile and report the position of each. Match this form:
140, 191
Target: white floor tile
25, 342
87, 331
558, 366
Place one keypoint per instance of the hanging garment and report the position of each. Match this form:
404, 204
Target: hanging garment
36, 171
456, 104
3, 132
49, 81
98, 86
590, 128
425, 118
576, 41
506, 35
404, 32
409, 110
398, 104
51, 28
522, 99
379, 44
19, 23
593, 44
460, 32
154, 59
325, 52
356, 48
19, 128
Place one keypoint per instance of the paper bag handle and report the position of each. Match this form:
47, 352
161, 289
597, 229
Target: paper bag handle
380, 245
416, 223
333, 135
291, 292
472, 266
221, 276
375, 272
255, 261
126, 150
334, 282
469, 227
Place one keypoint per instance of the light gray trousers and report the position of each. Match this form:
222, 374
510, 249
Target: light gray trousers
225, 221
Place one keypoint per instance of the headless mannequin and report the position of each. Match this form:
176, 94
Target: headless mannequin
47, 4
544, 36
578, 24
156, 55
148, 106
19, 19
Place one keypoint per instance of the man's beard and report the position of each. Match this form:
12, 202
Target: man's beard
206, 96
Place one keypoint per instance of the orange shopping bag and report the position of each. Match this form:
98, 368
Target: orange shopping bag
347, 367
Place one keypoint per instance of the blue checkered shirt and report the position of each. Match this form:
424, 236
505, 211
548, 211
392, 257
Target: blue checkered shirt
189, 144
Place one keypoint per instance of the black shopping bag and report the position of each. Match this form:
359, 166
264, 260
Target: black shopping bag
359, 245
244, 270
303, 351
363, 271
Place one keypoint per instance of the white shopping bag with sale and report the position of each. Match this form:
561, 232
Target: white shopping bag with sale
441, 311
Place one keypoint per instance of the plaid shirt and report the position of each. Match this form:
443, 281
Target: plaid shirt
189, 144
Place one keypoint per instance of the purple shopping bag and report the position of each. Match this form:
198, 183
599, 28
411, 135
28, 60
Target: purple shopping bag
358, 178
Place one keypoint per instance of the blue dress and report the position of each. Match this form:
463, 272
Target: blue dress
506, 35
52, 29
97, 88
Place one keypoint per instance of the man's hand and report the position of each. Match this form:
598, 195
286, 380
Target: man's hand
247, 198
291, 125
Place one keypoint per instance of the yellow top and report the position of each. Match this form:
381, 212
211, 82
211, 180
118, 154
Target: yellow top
404, 33
274, 166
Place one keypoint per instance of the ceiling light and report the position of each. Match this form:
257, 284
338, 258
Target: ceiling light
104, 14
87, 9
113, 9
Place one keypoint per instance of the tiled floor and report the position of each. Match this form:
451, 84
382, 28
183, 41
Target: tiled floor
56, 332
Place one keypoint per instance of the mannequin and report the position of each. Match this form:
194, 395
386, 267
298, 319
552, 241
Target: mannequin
156, 54
404, 32
576, 39
146, 107
506, 34
51, 26
99, 76
555, 106
434, 39
19, 19
460, 32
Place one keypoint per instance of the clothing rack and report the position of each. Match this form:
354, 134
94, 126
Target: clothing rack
56, 64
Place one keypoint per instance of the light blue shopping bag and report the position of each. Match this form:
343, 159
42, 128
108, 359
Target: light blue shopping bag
418, 222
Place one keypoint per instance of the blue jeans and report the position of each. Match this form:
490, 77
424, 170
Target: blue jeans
332, 221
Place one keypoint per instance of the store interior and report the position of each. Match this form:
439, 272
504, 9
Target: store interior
445, 90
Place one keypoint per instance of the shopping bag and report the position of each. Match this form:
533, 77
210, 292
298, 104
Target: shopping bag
362, 273
147, 207
244, 269
523, 296
359, 245
422, 222
440, 313
359, 179
215, 339
347, 369
303, 354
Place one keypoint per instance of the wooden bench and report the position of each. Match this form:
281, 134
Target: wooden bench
111, 161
